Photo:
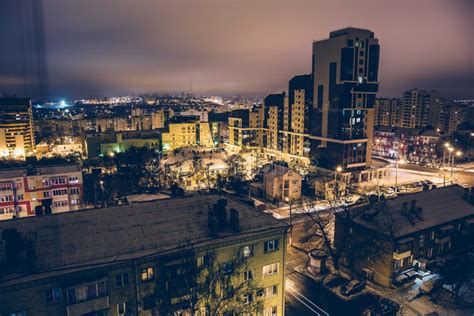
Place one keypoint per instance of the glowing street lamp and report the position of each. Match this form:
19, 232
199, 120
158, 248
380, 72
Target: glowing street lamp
338, 169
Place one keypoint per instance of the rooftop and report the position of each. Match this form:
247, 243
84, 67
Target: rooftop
439, 206
83, 238
46, 170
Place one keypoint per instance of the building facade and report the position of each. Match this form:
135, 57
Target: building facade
59, 187
387, 112
16, 128
282, 184
345, 73
418, 230
122, 270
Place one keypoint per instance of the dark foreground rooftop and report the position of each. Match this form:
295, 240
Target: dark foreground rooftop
438, 206
98, 236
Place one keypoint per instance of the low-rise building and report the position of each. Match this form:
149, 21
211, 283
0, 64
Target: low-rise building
112, 143
136, 259
22, 190
417, 229
193, 133
282, 184
415, 145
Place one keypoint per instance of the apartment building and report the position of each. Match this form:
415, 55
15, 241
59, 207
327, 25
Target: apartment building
57, 187
414, 145
387, 112
282, 184
246, 128
193, 133
16, 128
417, 229
345, 78
139, 259
422, 108
111, 143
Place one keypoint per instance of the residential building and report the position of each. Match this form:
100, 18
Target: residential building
422, 108
297, 116
246, 128
16, 128
139, 259
282, 184
111, 143
413, 230
274, 105
192, 133
345, 76
414, 145
387, 112
22, 190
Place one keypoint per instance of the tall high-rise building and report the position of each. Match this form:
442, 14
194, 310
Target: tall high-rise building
16, 128
345, 72
274, 107
297, 116
387, 112
421, 108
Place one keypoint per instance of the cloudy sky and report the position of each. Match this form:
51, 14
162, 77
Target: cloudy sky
223, 47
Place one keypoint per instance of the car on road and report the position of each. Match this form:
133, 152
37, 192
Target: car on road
386, 307
353, 287
336, 281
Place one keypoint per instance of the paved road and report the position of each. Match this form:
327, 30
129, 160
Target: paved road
300, 298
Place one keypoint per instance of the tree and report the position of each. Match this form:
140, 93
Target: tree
192, 282
456, 272
345, 239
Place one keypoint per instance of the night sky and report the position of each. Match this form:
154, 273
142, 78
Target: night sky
115, 47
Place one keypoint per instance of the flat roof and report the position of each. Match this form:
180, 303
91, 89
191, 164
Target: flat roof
46, 170
439, 206
102, 236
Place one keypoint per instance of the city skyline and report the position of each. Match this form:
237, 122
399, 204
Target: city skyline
243, 48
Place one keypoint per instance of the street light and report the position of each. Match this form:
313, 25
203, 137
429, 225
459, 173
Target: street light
399, 161
458, 154
338, 169
290, 221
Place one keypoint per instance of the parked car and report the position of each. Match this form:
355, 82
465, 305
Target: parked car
387, 307
353, 287
336, 281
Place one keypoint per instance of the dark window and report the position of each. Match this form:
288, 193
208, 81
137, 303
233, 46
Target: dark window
350, 43
121, 279
227, 267
53, 295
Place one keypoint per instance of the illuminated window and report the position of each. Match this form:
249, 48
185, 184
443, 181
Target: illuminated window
270, 269
147, 274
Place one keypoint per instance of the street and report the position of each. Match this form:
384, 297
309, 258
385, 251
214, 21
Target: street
302, 295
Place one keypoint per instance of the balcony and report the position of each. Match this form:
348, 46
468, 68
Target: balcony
401, 255
442, 240
89, 306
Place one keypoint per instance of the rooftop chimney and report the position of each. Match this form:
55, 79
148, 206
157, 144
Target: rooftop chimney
234, 222
12, 247
405, 207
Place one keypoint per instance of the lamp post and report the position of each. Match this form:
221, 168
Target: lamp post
338, 169
458, 154
396, 173
290, 202
446, 146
